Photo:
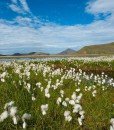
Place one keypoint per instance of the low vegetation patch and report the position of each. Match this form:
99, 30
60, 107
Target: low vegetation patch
57, 95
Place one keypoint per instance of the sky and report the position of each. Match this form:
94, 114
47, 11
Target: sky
52, 26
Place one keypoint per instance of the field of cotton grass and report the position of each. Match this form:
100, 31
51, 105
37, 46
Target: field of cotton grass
67, 94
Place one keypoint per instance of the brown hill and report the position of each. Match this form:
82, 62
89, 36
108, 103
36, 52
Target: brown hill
67, 52
97, 49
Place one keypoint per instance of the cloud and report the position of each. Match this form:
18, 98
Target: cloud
16, 9
30, 34
24, 5
55, 36
14, 1
19, 6
97, 7
28, 21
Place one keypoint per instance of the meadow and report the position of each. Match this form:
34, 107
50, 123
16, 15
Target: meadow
60, 94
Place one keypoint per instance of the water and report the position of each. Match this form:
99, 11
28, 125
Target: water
30, 59
16, 59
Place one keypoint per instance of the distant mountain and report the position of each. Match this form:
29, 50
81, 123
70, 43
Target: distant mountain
38, 53
16, 54
97, 49
67, 52
31, 53
100, 49
2, 55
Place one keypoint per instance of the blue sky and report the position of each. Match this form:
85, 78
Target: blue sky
64, 12
54, 25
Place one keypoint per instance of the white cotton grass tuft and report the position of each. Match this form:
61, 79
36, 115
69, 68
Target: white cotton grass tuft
77, 90
80, 121
62, 93
44, 109
67, 116
59, 100
47, 93
24, 125
64, 103
66, 113
10, 111
112, 124
2, 80
33, 97
13, 111
3, 116
67, 99
79, 97
94, 93
9, 104
71, 102
77, 108
25, 117
73, 96
15, 120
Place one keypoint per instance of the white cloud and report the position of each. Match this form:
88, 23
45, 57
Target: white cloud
28, 21
16, 9
19, 6
56, 36
100, 6
25, 5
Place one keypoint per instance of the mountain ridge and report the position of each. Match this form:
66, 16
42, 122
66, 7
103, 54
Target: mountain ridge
97, 49
68, 51
30, 53
107, 48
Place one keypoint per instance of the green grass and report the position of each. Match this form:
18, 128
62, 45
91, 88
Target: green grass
98, 110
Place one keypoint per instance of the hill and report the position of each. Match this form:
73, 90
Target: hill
2, 55
31, 53
67, 52
97, 49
